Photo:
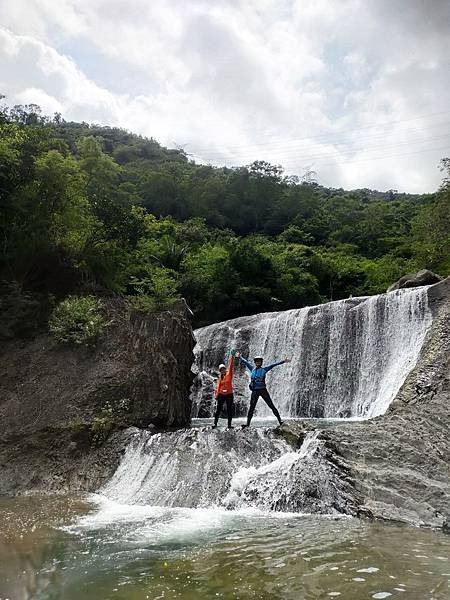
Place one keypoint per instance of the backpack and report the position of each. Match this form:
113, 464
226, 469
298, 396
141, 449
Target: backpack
260, 380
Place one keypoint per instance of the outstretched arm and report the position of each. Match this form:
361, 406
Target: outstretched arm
281, 362
245, 362
231, 365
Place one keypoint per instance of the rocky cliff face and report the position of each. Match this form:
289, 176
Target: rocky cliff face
64, 409
423, 277
398, 465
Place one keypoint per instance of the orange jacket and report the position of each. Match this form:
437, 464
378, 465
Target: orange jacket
224, 383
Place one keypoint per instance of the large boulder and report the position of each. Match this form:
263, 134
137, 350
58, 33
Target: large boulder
423, 277
58, 400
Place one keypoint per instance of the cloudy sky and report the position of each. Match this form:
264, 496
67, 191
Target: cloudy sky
356, 90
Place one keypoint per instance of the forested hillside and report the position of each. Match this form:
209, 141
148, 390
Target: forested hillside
86, 208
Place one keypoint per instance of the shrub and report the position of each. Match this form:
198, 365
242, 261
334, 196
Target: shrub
78, 320
101, 427
144, 303
156, 291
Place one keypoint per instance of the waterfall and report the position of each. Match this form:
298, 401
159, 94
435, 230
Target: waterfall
201, 468
191, 468
349, 357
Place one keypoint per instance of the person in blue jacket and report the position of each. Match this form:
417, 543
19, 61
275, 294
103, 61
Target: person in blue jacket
258, 385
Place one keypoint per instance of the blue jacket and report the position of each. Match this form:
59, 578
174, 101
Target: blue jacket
258, 375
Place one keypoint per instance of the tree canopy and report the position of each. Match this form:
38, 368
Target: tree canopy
86, 207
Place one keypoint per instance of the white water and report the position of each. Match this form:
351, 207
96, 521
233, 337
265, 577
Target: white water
200, 468
203, 513
349, 358
270, 482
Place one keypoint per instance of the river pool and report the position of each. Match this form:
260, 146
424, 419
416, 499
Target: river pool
91, 548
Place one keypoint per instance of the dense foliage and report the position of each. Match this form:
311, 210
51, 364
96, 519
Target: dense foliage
89, 209
78, 320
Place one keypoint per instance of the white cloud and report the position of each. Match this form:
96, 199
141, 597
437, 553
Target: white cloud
32, 71
336, 86
49, 104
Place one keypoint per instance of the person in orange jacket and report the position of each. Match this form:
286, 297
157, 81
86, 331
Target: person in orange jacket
224, 392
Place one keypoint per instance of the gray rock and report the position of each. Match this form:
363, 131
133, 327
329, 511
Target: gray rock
398, 464
59, 404
57, 434
423, 277
60, 459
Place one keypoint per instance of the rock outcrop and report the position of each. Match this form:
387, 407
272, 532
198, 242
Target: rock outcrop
398, 465
423, 277
64, 409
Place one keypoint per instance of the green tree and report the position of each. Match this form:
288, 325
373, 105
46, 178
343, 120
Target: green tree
48, 218
432, 229
209, 280
343, 274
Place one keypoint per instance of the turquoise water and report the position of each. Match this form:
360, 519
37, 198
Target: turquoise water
95, 549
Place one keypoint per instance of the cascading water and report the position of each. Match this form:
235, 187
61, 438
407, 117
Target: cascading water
349, 358
201, 468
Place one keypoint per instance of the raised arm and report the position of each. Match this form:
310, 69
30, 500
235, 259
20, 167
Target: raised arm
245, 362
281, 362
231, 365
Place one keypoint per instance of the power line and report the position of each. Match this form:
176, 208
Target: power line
334, 142
337, 155
320, 156
326, 154
443, 148
282, 140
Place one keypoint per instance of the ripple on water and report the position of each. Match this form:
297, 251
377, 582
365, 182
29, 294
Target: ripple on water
204, 553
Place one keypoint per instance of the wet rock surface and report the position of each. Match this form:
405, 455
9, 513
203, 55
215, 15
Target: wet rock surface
252, 468
60, 459
63, 408
398, 465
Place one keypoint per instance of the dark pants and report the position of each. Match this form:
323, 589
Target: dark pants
267, 399
228, 399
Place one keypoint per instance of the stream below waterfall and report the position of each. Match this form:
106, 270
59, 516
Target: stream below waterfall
201, 513
54, 548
